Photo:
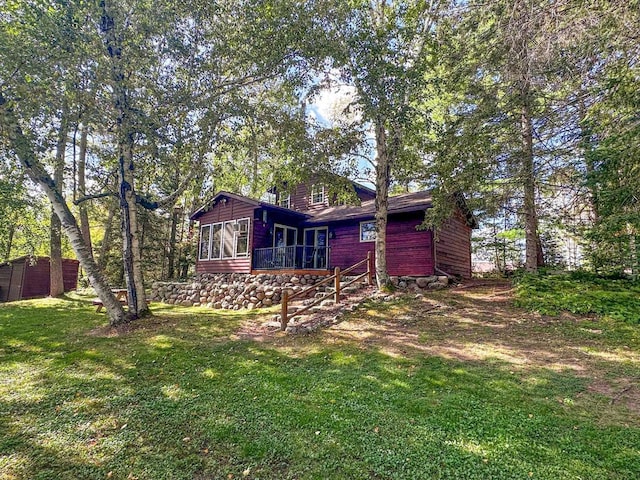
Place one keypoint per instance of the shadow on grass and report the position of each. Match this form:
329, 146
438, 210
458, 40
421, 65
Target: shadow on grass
176, 399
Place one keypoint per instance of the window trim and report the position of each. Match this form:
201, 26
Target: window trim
236, 235
208, 257
234, 240
288, 201
285, 228
374, 232
211, 257
313, 194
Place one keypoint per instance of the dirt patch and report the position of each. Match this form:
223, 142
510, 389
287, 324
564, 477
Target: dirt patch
622, 391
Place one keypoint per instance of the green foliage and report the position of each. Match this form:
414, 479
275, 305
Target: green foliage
580, 293
24, 216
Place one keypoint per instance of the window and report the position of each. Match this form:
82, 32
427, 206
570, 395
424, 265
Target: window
205, 237
285, 201
268, 197
242, 238
228, 239
317, 194
224, 240
216, 241
284, 236
368, 231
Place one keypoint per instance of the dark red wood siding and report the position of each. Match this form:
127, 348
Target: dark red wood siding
409, 251
453, 247
301, 198
70, 274
37, 280
21, 280
261, 236
364, 195
223, 211
263, 232
5, 281
11, 277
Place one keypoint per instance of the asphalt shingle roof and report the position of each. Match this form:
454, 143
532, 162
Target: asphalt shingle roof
408, 202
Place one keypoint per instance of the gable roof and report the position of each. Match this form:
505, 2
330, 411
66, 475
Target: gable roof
241, 198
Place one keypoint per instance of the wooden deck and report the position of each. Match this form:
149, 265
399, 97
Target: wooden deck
292, 272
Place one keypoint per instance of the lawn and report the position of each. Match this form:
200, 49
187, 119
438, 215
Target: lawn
456, 384
582, 293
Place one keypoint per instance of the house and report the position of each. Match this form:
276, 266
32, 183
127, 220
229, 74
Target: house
28, 277
307, 232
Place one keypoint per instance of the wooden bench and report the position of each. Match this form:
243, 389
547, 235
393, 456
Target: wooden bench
96, 302
121, 296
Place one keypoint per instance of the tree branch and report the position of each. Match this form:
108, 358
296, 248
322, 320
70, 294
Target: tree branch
86, 198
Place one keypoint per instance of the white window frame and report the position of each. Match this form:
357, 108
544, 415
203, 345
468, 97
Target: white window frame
208, 257
237, 235
285, 202
233, 239
211, 257
315, 193
268, 197
374, 231
285, 227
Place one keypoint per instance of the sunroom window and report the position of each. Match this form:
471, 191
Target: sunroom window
205, 238
242, 238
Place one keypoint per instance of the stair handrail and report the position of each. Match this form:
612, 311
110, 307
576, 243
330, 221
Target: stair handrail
286, 298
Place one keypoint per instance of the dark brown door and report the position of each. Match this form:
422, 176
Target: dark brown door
15, 285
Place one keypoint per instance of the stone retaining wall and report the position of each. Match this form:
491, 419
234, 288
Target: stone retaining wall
233, 291
434, 282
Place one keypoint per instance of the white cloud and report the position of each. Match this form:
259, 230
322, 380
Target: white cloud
330, 105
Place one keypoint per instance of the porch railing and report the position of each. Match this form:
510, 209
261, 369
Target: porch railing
296, 257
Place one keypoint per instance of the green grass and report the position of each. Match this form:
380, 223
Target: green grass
182, 397
580, 293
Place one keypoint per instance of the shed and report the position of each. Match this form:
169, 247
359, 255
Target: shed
28, 277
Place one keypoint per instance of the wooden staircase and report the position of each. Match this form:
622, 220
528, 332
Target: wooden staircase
326, 296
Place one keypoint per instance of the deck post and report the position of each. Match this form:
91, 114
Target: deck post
337, 280
283, 313
369, 269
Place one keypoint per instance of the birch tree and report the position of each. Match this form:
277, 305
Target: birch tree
32, 86
387, 51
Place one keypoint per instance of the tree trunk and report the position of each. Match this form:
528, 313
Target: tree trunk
383, 177
172, 243
34, 169
532, 247
82, 162
131, 253
56, 276
130, 233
